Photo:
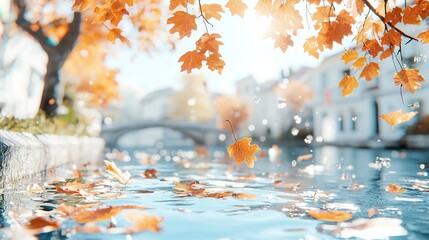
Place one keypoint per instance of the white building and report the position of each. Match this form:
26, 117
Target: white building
356, 118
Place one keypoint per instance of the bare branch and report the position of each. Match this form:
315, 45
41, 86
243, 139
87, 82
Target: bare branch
70, 38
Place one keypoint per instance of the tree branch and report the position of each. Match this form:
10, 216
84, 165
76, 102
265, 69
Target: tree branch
70, 38
368, 4
25, 25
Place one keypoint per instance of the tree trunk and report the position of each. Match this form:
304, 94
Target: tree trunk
51, 96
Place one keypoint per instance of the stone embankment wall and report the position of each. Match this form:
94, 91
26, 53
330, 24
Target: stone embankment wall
26, 155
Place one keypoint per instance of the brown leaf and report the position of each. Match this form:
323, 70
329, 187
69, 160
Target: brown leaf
43, 224
348, 83
183, 23
243, 151
395, 189
349, 56
150, 173
236, 7
397, 117
143, 221
101, 214
370, 71
212, 11
331, 216
409, 79
116, 173
191, 59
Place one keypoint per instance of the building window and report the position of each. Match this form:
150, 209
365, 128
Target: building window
354, 121
340, 123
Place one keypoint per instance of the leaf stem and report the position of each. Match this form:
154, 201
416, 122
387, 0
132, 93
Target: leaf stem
232, 130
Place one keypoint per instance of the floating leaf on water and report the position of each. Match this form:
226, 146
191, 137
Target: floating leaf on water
143, 221
101, 214
331, 216
304, 157
43, 224
393, 188
116, 173
372, 212
149, 173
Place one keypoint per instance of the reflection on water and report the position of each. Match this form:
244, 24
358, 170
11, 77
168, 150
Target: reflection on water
286, 189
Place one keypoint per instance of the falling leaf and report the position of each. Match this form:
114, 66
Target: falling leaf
101, 214
143, 221
236, 7
331, 216
304, 157
393, 188
409, 79
150, 173
397, 117
116, 173
348, 83
243, 151
215, 63
349, 56
115, 33
283, 42
192, 59
183, 23
424, 36
370, 71
212, 11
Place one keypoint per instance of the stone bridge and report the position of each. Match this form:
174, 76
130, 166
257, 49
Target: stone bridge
198, 132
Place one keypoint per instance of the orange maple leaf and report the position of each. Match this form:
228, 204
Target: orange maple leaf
331, 216
243, 151
192, 59
424, 36
409, 79
80, 5
395, 189
397, 117
208, 42
412, 14
115, 33
348, 83
143, 221
283, 42
264, 7
370, 71
110, 11
310, 46
349, 56
236, 7
391, 37
215, 63
175, 3
386, 53
359, 63
83, 215
116, 173
183, 23
394, 16
212, 11
373, 47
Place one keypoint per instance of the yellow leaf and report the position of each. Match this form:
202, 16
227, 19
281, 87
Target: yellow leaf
243, 151
370, 71
397, 117
192, 59
236, 7
348, 83
212, 11
359, 63
424, 36
331, 216
409, 79
116, 173
183, 23
349, 56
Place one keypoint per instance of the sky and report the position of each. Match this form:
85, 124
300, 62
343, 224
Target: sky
245, 51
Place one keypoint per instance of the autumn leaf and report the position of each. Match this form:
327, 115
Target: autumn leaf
236, 7
409, 79
397, 117
283, 42
348, 83
424, 36
43, 224
215, 63
310, 46
183, 23
264, 7
150, 173
208, 42
372, 212
212, 11
143, 221
349, 56
394, 16
175, 3
241, 150
110, 11
373, 47
412, 14
391, 37
115, 33
331, 216
192, 59
101, 214
189, 188
243, 195
395, 189
370, 71
80, 5
304, 157
73, 188
116, 173
359, 63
